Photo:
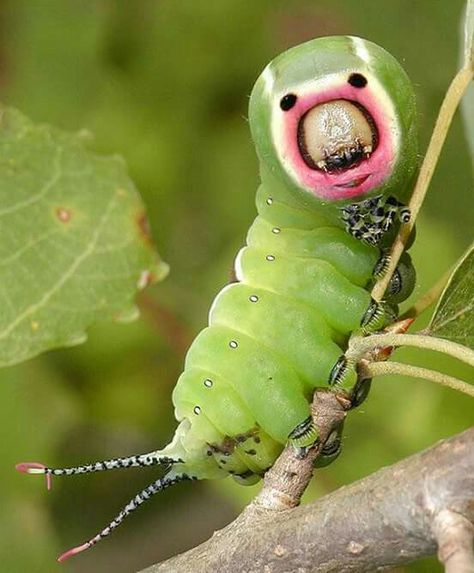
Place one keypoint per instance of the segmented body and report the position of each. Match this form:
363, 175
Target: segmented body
247, 384
337, 152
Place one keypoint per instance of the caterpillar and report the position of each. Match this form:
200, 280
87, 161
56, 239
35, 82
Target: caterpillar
334, 125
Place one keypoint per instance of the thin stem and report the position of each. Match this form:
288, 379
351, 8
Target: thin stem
385, 368
166, 322
469, 35
430, 296
360, 345
448, 107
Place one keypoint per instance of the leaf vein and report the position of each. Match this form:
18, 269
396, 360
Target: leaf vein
43, 191
66, 276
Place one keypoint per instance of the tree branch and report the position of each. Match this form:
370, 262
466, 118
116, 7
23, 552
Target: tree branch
389, 518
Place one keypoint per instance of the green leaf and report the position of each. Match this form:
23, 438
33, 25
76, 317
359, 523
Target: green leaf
75, 245
453, 317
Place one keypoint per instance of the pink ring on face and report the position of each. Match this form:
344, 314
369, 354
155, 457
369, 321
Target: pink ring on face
369, 174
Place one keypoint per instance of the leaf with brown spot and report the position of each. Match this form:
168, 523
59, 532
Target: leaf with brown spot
73, 250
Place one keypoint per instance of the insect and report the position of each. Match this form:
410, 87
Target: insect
334, 124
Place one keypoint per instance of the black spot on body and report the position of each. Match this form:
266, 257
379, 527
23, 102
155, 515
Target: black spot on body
246, 474
357, 80
288, 101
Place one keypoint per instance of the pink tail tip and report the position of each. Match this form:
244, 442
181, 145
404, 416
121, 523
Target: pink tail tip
73, 551
26, 466
30, 467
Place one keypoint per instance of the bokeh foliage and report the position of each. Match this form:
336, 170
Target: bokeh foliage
166, 84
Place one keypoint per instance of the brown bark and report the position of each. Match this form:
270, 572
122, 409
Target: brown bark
389, 518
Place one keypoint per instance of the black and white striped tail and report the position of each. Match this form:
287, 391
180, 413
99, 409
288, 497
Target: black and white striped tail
142, 460
144, 495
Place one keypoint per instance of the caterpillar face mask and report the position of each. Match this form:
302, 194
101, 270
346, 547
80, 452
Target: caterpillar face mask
333, 121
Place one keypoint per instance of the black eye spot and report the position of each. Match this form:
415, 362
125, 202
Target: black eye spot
357, 80
288, 101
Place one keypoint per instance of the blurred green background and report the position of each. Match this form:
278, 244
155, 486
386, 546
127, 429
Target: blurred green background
166, 84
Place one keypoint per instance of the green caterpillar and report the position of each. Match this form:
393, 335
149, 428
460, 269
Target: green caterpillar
334, 124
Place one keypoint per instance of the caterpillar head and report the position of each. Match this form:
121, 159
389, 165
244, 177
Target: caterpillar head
334, 121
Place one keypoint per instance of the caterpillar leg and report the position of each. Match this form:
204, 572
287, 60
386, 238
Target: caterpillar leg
378, 315
394, 210
331, 449
403, 280
344, 376
370, 220
139, 499
304, 436
142, 460
360, 392
381, 266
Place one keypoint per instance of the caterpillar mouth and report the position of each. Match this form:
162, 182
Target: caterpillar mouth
354, 183
336, 136
345, 158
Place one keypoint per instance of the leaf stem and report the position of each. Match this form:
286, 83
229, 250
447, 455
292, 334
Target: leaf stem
450, 103
385, 368
469, 35
427, 299
358, 346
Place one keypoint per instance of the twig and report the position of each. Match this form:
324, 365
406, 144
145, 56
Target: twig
359, 346
166, 322
373, 369
287, 480
386, 519
448, 107
455, 536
